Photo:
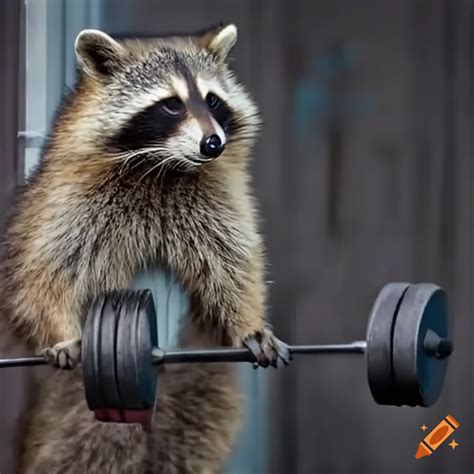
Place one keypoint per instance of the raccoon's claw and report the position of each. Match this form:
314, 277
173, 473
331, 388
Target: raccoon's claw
64, 355
268, 350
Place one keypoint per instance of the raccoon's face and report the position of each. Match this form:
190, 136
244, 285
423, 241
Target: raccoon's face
172, 100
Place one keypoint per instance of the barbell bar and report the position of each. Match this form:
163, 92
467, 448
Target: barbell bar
406, 349
160, 357
187, 356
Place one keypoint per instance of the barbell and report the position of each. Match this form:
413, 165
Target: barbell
406, 350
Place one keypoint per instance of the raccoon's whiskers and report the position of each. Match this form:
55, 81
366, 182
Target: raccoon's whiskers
148, 172
160, 164
163, 168
129, 156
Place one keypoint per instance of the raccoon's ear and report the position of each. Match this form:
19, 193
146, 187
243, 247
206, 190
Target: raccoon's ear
97, 53
219, 40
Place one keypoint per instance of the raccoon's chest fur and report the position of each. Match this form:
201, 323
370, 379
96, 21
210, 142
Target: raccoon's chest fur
192, 210
183, 213
195, 227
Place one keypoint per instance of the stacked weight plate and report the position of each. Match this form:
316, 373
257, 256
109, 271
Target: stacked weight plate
407, 344
117, 343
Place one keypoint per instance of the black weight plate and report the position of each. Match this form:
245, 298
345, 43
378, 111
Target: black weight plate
146, 335
126, 357
90, 355
379, 343
107, 351
419, 375
152, 317
130, 356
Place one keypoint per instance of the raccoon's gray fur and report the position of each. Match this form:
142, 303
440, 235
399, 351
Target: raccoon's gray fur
126, 181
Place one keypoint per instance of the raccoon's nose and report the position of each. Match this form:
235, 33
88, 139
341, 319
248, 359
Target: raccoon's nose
212, 146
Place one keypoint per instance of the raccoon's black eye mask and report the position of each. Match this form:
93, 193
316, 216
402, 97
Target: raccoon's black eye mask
161, 120
152, 125
222, 113
173, 106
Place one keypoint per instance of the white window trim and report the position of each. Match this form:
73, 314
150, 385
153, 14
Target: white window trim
50, 30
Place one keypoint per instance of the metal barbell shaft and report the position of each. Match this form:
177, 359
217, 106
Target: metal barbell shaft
23, 361
160, 357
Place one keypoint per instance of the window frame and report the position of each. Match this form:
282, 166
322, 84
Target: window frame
51, 27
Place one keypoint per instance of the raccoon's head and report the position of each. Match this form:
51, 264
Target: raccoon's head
170, 100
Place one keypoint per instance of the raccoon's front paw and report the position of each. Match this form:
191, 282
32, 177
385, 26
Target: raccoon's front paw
64, 355
267, 349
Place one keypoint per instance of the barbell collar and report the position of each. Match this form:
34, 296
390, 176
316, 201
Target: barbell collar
435, 346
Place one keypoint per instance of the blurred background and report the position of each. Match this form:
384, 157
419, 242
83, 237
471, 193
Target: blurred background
363, 174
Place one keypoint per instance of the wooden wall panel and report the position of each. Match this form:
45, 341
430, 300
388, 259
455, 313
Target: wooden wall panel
10, 87
374, 193
13, 382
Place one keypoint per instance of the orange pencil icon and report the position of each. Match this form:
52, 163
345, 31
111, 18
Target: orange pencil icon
437, 436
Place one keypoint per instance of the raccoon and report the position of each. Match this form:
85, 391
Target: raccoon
147, 164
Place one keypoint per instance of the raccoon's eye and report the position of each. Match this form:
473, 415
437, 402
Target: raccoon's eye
173, 106
213, 101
